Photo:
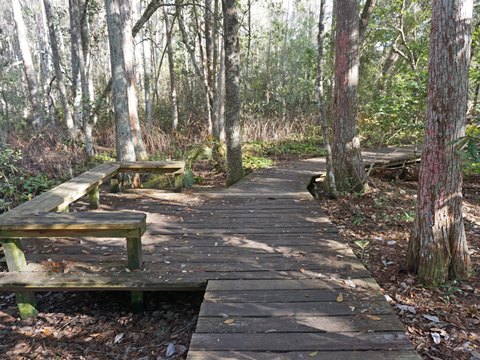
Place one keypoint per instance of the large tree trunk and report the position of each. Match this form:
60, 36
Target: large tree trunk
347, 158
56, 64
231, 16
332, 188
116, 30
171, 69
38, 111
438, 251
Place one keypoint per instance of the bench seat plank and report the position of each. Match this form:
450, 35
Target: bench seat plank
95, 224
127, 281
68, 192
153, 166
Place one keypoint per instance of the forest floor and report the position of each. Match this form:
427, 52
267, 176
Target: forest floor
443, 323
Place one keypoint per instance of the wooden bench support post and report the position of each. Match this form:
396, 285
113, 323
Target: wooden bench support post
178, 181
135, 261
94, 197
114, 185
27, 305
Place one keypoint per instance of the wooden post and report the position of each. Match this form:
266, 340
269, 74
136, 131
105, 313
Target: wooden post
134, 254
114, 185
94, 197
178, 181
15, 257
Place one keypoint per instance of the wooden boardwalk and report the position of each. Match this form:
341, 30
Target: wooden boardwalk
281, 283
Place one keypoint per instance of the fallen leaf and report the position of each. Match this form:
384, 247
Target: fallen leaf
431, 318
170, 350
313, 354
340, 298
436, 338
118, 338
229, 321
408, 308
374, 317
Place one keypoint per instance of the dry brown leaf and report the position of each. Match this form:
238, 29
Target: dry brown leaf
374, 317
340, 298
229, 321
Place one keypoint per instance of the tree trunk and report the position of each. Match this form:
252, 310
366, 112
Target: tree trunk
56, 64
332, 189
147, 68
116, 31
77, 60
221, 95
128, 50
347, 158
437, 250
171, 69
38, 111
231, 24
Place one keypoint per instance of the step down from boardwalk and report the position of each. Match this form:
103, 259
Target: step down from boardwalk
297, 319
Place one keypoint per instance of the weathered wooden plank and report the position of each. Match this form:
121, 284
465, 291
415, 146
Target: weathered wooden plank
152, 166
69, 191
292, 284
283, 342
297, 324
302, 355
124, 224
259, 296
127, 281
331, 308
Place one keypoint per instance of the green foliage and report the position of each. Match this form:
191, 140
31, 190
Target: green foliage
16, 184
468, 148
251, 162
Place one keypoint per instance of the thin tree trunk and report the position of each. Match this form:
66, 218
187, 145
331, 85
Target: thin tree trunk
120, 79
77, 59
332, 189
147, 68
209, 60
215, 73
283, 64
171, 69
199, 71
58, 71
87, 124
347, 158
38, 111
231, 17
438, 250
267, 64
364, 17
221, 95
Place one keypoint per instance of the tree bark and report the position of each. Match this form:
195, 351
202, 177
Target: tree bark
120, 80
231, 24
437, 250
332, 189
364, 17
147, 68
347, 158
171, 69
77, 61
58, 70
38, 112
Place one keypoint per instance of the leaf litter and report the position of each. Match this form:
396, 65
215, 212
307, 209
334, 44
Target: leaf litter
442, 323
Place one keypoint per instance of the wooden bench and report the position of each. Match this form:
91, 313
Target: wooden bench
130, 225
177, 168
59, 198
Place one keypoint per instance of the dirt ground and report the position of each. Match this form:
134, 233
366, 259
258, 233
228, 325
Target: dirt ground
442, 323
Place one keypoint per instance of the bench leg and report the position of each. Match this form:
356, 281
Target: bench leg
94, 197
114, 185
134, 253
27, 305
178, 182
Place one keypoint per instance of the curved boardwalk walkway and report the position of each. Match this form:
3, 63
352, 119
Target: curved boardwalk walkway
304, 295
281, 283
